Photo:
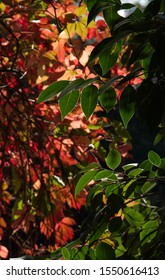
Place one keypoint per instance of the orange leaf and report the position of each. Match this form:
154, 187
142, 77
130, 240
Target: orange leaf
64, 231
3, 252
3, 223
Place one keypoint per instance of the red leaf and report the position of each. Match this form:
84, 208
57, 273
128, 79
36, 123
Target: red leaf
64, 231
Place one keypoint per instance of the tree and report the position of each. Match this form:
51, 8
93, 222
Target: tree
125, 223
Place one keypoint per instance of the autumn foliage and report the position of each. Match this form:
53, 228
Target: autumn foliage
44, 150
40, 154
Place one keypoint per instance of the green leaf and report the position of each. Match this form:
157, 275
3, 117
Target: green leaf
108, 99
111, 188
149, 231
68, 102
84, 180
106, 44
130, 187
89, 100
135, 172
146, 165
127, 104
97, 8
133, 217
93, 165
103, 174
154, 158
106, 86
108, 59
105, 252
77, 84
52, 91
111, 16
66, 253
129, 166
148, 186
113, 159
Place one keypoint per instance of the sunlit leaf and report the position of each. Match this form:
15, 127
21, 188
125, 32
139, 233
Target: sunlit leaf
84, 180
149, 231
77, 84
68, 102
65, 253
154, 158
133, 217
113, 159
52, 90
89, 100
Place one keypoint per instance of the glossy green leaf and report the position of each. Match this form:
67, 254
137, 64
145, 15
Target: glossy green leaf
154, 158
66, 253
111, 16
52, 90
68, 102
135, 172
76, 85
108, 99
129, 166
89, 100
149, 231
148, 186
146, 165
106, 86
130, 187
84, 180
111, 188
93, 165
103, 174
106, 44
134, 217
97, 8
113, 159
105, 252
108, 59
127, 104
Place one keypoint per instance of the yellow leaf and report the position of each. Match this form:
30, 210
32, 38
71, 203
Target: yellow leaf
4, 186
106, 238
2, 7
81, 30
83, 20
41, 79
81, 11
92, 24
71, 27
